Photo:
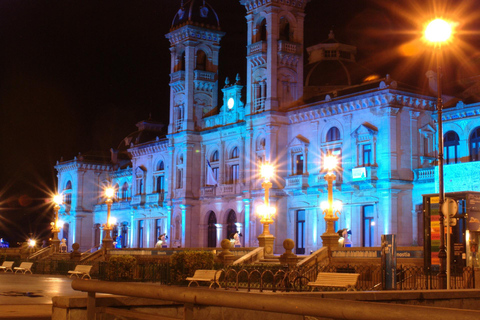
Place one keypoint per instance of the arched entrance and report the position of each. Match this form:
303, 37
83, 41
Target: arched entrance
212, 230
231, 224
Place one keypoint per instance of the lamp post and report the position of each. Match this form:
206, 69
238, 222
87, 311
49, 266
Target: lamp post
330, 237
266, 239
57, 200
107, 241
438, 32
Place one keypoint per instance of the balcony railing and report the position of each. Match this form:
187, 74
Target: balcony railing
257, 47
138, 199
288, 47
177, 76
204, 75
425, 174
208, 191
296, 182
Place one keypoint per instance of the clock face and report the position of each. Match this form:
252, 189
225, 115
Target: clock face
230, 103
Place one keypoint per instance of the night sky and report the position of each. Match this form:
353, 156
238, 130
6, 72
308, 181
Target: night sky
76, 76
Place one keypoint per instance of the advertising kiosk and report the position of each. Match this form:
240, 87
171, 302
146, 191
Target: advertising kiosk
464, 230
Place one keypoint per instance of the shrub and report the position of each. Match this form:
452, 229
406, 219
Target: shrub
184, 263
121, 268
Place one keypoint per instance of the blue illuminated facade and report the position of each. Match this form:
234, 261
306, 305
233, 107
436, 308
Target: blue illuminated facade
383, 134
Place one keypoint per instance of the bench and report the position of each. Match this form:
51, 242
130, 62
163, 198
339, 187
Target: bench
24, 267
206, 276
81, 270
335, 280
7, 265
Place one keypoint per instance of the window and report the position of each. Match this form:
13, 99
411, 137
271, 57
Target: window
234, 154
201, 60
262, 31
451, 142
67, 193
368, 226
116, 189
333, 134
125, 194
139, 186
300, 232
215, 156
212, 230
475, 145
231, 224
140, 176
158, 228
299, 164
284, 29
179, 178
140, 233
124, 235
233, 173
160, 184
160, 166
367, 154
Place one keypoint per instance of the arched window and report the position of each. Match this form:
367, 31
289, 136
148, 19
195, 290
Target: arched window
262, 31
333, 134
67, 193
451, 142
212, 230
215, 156
160, 166
231, 224
201, 60
234, 153
475, 145
284, 29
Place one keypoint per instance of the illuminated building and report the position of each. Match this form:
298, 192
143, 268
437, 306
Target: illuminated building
198, 181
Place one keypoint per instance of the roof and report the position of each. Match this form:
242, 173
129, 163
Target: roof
196, 12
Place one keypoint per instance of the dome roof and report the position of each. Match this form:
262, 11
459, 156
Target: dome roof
335, 73
148, 130
196, 12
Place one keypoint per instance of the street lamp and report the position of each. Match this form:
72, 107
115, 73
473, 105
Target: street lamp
331, 212
107, 241
57, 200
266, 213
439, 32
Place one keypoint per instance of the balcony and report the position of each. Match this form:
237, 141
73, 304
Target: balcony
296, 182
177, 76
424, 175
257, 47
138, 199
208, 191
204, 75
288, 47
155, 199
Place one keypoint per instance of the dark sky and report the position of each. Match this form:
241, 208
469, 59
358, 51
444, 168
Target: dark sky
77, 75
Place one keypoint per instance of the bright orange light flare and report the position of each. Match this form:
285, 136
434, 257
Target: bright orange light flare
438, 31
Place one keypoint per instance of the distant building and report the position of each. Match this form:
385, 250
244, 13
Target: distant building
197, 179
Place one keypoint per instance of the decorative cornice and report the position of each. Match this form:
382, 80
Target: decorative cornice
121, 173
383, 98
149, 148
194, 33
78, 165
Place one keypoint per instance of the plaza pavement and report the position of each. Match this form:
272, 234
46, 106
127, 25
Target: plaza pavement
29, 296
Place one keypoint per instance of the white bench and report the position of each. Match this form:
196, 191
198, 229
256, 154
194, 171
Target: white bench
211, 276
7, 265
335, 280
24, 267
81, 270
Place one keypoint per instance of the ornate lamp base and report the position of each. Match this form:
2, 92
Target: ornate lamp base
266, 241
330, 240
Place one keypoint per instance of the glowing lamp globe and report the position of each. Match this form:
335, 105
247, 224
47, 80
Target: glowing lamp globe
109, 192
330, 163
267, 171
112, 221
57, 199
438, 31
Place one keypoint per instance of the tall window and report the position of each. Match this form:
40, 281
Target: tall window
234, 173
201, 60
214, 163
125, 194
368, 226
212, 230
451, 142
234, 153
158, 228
179, 178
124, 235
140, 233
284, 29
67, 193
231, 223
475, 145
160, 187
367, 154
299, 164
333, 134
262, 32
300, 234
